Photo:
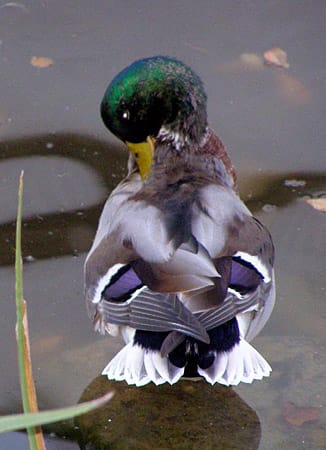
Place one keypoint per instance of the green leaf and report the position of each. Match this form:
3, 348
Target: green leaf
27, 420
27, 385
31, 419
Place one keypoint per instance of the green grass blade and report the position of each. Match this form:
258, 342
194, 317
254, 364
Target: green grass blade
32, 419
27, 385
28, 420
19, 295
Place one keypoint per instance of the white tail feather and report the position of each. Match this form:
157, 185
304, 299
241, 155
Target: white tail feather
241, 364
139, 366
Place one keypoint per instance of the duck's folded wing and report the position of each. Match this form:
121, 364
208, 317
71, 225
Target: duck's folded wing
252, 310
151, 311
161, 312
135, 267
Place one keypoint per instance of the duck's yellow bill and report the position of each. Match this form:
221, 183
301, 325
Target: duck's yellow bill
143, 154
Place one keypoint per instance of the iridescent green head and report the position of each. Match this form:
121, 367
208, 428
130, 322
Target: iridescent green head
153, 94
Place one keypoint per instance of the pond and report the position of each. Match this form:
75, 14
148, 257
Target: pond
271, 120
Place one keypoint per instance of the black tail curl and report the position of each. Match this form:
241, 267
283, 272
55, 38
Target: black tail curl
192, 353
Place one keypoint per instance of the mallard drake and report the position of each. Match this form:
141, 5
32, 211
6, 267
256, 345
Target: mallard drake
179, 267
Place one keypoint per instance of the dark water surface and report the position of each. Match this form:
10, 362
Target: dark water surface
271, 120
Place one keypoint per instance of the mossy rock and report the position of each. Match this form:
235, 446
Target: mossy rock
187, 415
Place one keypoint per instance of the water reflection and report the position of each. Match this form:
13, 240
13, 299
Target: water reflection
187, 415
67, 178
78, 212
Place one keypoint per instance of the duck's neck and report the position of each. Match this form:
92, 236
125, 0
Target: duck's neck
176, 159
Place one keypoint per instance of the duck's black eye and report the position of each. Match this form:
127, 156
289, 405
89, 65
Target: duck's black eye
125, 115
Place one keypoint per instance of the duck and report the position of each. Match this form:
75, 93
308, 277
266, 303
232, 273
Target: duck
179, 267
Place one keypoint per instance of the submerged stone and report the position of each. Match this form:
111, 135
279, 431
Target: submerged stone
186, 415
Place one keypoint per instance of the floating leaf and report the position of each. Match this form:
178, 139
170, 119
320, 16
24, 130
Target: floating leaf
317, 203
42, 62
276, 57
298, 415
